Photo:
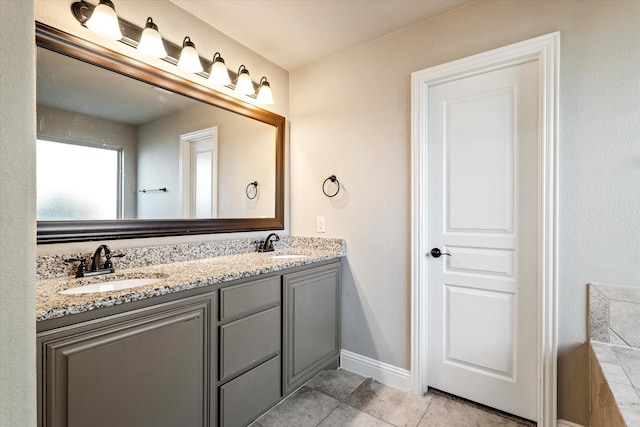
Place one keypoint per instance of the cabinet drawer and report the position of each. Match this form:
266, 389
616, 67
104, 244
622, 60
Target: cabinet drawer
249, 395
249, 297
248, 341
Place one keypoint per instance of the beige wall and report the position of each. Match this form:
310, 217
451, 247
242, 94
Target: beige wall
246, 153
350, 116
17, 215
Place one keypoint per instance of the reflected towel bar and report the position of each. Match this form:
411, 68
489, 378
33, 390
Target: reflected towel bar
153, 190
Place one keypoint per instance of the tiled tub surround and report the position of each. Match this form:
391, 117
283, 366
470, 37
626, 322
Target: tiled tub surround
179, 268
614, 331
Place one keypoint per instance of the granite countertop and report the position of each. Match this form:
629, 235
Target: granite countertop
173, 277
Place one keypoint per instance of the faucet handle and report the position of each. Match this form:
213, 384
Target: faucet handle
108, 263
260, 245
82, 267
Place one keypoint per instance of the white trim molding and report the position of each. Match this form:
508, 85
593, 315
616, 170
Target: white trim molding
546, 50
383, 372
186, 185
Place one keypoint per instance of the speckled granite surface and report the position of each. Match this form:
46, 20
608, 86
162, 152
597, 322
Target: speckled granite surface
51, 266
178, 268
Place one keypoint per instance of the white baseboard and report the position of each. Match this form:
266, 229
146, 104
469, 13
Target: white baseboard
563, 423
367, 367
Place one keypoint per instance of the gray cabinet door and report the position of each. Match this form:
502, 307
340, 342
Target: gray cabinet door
145, 368
311, 323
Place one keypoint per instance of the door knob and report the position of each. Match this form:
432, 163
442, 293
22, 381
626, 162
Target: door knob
435, 252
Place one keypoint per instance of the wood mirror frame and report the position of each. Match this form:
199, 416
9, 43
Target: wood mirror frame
87, 230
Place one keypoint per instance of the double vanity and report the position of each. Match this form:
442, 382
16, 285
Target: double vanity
212, 341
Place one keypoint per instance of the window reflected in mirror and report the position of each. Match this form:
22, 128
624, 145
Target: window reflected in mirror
76, 181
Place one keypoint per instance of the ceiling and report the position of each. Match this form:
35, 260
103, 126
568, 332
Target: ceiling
295, 33
69, 84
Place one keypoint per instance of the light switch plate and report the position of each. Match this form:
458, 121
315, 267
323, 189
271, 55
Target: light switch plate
320, 224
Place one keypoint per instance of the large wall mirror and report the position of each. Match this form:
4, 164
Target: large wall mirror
127, 150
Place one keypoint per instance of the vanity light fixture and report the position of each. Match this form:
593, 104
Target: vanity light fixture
189, 58
219, 74
151, 41
104, 21
244, 84
265, 96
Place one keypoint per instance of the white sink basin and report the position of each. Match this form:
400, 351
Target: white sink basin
115, 285
286, 256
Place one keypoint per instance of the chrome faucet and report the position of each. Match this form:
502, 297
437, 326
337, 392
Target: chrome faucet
267, 244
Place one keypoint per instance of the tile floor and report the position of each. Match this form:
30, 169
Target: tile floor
341, 398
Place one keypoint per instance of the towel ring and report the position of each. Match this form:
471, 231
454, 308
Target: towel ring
333, 179
253, 184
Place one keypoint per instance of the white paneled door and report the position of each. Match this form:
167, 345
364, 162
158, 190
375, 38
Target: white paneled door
483, 199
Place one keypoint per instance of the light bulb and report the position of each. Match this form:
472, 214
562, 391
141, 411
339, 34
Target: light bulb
219, 74
244, 84
265, 96
104, 21
151, 41
189, 58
